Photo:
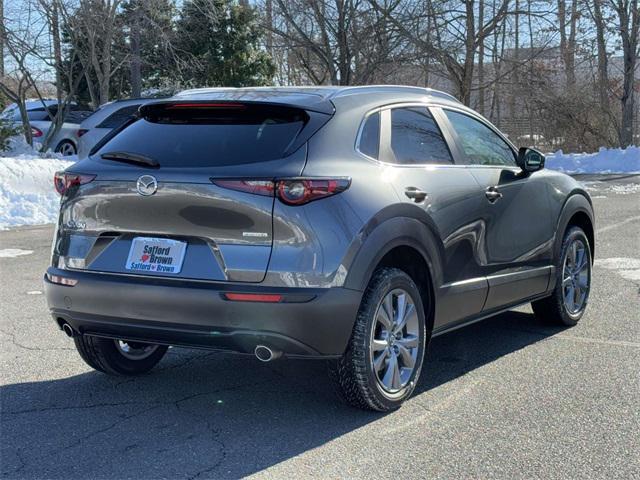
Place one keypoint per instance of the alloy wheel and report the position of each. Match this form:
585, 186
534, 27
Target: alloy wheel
576, 277
395, 341
135, 350
67, 149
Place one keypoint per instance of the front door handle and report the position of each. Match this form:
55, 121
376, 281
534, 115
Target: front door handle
493, 194
415, 194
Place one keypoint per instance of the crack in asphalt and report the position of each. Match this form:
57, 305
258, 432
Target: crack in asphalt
13, 340
216, 437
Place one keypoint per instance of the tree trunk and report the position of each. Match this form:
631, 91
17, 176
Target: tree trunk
470, 53
568, 43
603, 60
1, 38
481, 106
57, 121
26, 126
629, 31
516, 60
136, 60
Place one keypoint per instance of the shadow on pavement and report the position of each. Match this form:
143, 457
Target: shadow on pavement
210, 415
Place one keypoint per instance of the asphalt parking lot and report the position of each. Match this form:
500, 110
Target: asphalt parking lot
505, 398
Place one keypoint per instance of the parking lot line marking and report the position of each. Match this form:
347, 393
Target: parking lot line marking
616, 225
615, 343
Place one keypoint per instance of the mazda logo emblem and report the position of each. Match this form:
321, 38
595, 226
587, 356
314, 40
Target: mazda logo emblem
147, 185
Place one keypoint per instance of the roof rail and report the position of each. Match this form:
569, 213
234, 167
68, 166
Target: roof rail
394, 88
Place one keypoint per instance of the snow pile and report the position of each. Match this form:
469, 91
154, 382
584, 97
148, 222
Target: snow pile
614, 160
19, 146
27, 196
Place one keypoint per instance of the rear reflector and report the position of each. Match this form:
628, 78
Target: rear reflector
253, 297
68, 282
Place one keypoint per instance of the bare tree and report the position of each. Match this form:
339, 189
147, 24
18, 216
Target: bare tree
93, 29
339, 42
629, 27
22, 42
458, 34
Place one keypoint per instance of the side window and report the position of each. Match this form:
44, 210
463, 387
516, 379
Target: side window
118, 117
369, 141
416, 138
481, 145
39, 114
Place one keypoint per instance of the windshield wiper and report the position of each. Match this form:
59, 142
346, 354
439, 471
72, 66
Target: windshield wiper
127, 157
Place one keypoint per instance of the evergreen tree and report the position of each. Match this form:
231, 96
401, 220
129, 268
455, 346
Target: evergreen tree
150, 29
222, 40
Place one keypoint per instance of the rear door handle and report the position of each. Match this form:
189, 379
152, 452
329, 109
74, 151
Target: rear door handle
493, 194
415, 194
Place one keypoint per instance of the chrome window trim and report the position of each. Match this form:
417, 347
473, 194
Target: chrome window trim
390, 106
490, 126
361, 128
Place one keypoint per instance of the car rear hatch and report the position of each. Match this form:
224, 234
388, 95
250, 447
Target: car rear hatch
184, 191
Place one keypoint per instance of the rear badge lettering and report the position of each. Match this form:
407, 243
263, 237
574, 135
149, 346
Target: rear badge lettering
255, 234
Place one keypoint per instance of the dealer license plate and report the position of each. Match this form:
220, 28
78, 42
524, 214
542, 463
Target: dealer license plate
156, 255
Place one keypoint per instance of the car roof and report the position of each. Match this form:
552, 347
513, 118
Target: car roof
34, 104
108, 108
317, 98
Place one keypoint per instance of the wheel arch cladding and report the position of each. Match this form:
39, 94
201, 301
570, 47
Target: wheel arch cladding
577, 211
406, 243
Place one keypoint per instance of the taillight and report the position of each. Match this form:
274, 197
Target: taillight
80, 132
64, 181
36, 132
258, 187
292, 191
300, 190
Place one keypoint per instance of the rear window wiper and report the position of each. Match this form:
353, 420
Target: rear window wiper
127, 157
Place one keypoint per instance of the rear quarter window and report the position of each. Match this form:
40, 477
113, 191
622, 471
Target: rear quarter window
369, 141
118, 117
201, 137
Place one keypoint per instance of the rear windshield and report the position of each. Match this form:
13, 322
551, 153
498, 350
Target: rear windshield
118, 117
203, 136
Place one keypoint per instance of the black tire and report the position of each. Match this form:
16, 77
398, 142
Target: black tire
353, 374
66, 147
104, 355
552, 310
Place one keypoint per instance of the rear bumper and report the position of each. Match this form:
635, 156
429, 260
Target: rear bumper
307, 322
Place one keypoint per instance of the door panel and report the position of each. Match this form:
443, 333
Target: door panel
423, 174
518, 228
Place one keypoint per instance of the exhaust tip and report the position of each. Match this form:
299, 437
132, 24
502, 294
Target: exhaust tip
265, 354
68, 330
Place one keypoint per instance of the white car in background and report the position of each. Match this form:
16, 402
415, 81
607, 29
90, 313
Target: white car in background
109, 116
66, 140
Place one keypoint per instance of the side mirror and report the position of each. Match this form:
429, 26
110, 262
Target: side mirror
530, 160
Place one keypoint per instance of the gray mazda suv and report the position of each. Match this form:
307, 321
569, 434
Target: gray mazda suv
351, 224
